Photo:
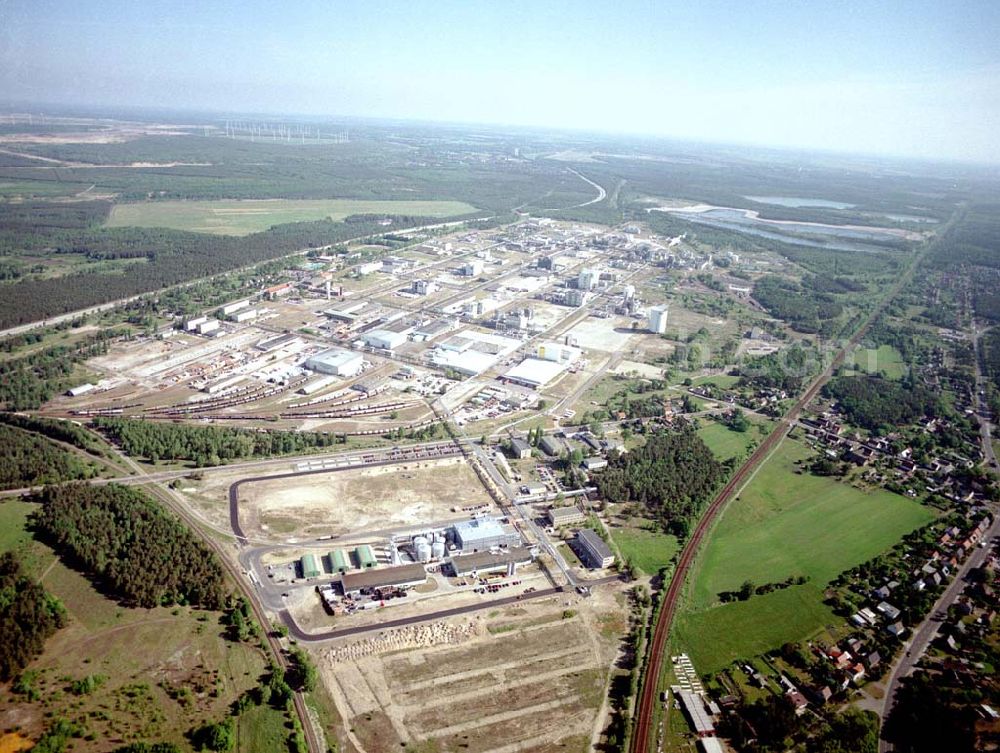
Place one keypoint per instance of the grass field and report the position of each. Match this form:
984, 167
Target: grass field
883, 359
648, 550
145, 657
251, 216
784, 524
726, 443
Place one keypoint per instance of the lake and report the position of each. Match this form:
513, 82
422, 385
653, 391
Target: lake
797, 201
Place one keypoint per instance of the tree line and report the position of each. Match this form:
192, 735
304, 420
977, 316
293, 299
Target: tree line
30, 460
672, 475
130, 545
28, 616
207, 445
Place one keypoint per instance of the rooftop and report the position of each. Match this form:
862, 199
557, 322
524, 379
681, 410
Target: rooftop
380, 577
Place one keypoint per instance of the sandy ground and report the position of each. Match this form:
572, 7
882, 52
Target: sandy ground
364, 499
522, 678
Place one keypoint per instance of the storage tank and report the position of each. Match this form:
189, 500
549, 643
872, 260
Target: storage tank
424, 552
437, 550
419, 541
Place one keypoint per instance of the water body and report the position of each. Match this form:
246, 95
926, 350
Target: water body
795, 202
834, 245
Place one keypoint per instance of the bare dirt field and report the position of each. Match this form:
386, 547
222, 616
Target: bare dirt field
609, 335
357, 500
518, 679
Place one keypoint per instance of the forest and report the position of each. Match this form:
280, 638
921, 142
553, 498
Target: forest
130, 545
881, 405
805, 307
58, 429
170, 257
786, 369
28, 616
206, 445
29, 381
671, 476
31, 460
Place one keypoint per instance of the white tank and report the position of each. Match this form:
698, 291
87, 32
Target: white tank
419, 541
629, 292
424, 552
437, 550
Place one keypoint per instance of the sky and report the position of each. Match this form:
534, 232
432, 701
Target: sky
910, 78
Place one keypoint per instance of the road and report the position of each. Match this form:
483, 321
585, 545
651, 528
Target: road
601, 193
927, 630
642, 737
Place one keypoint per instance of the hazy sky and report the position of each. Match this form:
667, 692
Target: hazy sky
910, 77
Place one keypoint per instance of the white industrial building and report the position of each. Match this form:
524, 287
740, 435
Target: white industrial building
336, 362
209, 325
535, 372
657, 319
424, 287
193, 324
472, 268
577, 297
550, 351
232, 308
245, 316
384, 339
367, 268
483, 534
481, 307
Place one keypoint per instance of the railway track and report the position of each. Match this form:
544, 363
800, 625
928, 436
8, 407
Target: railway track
643, 727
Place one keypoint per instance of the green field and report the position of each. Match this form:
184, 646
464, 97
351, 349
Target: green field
251, 216
648, 550
726, 443
883, 359
784, 524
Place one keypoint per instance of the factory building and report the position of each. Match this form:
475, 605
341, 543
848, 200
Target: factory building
232, 308
273, 343
658, 319
193, 324
535, 372
424, 287
245, 315
550, 351
369, 581
384, 339
472, 268
336, 362
207, 326
365, 557
310, 566
577, 297
564, 516
520, 449
592, 549
481, 563
587, 279
483, 534
276, 291
339, 561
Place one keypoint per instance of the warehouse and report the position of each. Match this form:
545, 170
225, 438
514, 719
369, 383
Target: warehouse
535, 372
592, 550
273, 343
483, 534
384, 339
339, 561
368, 581
310, 566
365, 557
232, 308
336, 362
481, 563
694, 707
564, 516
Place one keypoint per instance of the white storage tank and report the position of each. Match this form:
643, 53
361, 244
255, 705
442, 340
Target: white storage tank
437, 550
424, 552
419, 541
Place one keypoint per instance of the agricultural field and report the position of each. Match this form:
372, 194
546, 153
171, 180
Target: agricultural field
156, 673
251, 216
457, 686
784, 524
884, 359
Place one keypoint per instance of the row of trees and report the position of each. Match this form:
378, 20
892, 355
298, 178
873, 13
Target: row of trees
28, 616
129, 544
207, 445
30, 460
673, 475
58, 429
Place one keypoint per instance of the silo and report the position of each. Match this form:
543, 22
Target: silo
437, 550
424, 552
418, 541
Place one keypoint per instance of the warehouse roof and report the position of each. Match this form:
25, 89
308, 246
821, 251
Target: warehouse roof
468, 563
594, 542
534, 372
694, 705
400, 575
478, 528
334, 358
